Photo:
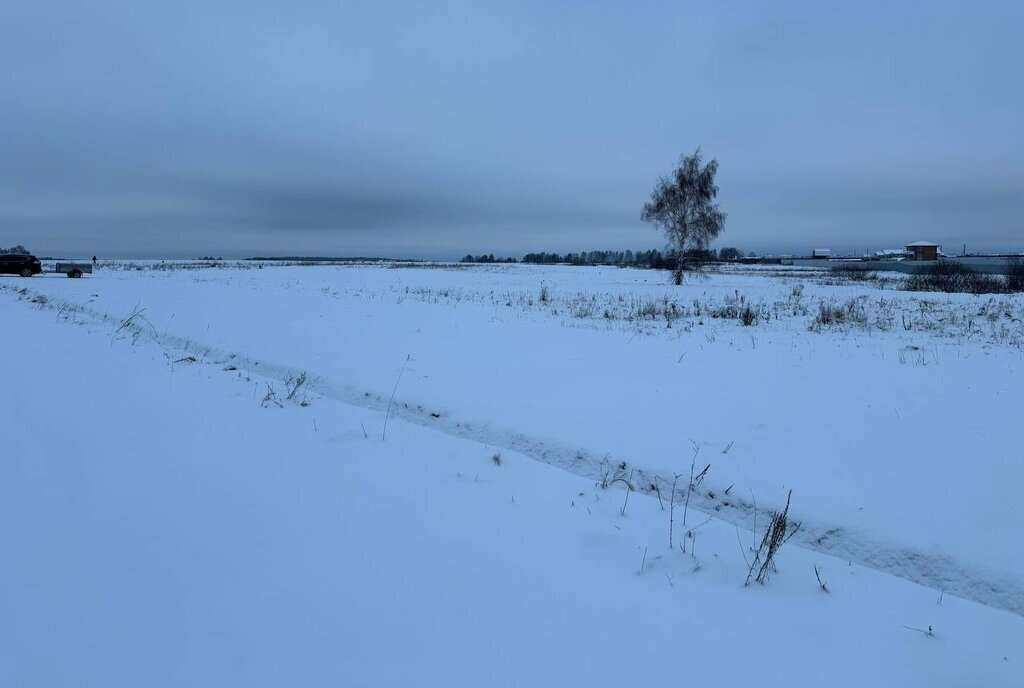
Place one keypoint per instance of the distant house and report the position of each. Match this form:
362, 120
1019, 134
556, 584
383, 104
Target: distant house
923, 250
825, 253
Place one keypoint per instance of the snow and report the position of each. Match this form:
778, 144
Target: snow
165, 528
868, 425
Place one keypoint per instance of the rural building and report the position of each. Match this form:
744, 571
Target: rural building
923, 250
825, 253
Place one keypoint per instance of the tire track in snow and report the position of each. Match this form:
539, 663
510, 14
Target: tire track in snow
937, 571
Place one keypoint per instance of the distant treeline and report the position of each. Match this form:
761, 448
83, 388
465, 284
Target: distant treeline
489, 258
329, 259
653, 258
637, 259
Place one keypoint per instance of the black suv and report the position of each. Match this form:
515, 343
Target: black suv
19, 264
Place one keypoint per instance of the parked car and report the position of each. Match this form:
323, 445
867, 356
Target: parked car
19, 264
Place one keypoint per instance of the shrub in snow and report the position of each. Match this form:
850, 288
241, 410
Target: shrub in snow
853, 273
831, 313
780, 530
954, 278
1015, 276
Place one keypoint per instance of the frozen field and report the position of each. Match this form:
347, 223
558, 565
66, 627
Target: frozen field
256, 544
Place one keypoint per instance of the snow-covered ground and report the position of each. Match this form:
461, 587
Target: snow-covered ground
165, 526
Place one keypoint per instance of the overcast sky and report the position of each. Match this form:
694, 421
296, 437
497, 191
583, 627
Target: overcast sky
419, 129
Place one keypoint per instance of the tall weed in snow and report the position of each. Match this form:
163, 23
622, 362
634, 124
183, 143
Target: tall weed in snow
779, 531
831, 313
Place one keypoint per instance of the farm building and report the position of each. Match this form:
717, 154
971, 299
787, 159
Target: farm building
923, 250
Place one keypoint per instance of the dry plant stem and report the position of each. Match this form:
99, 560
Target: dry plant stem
922, 631
753, 532
701, 525
821, 584
136, 312
629, 488
295, 384
689, 488
384, 433
742, 551
672, 509
271, 397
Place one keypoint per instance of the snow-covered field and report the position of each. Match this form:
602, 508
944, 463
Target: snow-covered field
168, 524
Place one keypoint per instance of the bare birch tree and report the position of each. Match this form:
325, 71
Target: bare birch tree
683, 206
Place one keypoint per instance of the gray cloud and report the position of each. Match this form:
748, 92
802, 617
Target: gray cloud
403, 129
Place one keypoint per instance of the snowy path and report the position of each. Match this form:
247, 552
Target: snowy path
940, 572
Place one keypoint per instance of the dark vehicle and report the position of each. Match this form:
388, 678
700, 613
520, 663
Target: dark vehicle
19, 264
